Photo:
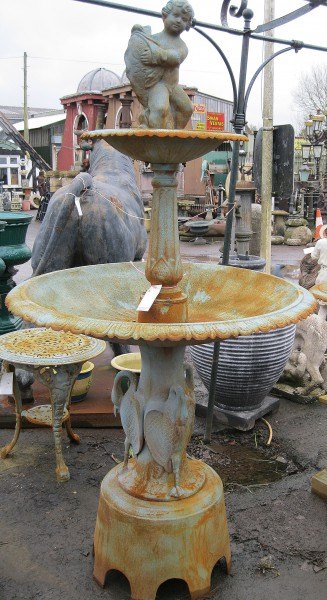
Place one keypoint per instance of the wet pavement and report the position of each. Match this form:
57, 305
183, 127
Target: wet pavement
205, 252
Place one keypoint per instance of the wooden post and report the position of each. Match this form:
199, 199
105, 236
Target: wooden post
25, 109
267, 143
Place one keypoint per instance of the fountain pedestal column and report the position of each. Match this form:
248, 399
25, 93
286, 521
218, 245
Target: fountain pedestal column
164, 265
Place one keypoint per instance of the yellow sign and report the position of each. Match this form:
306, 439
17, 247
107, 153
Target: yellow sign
200, 126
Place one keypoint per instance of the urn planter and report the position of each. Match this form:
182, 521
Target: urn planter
249, 367
13, 251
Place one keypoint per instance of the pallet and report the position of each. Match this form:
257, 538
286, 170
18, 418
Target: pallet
95, 411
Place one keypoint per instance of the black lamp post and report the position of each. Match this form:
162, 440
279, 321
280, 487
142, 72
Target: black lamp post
316, 133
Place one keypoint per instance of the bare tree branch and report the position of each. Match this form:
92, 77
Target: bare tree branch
310, 95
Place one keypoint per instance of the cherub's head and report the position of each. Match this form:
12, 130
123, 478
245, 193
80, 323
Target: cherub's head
181, 8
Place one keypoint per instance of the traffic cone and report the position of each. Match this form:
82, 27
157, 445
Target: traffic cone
319, 224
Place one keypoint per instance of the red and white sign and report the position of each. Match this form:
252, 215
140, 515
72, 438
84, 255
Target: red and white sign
215, 121
199, 109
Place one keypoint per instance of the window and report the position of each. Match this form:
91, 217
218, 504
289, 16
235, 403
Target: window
80, 124
14, 177
10, 174
3, 177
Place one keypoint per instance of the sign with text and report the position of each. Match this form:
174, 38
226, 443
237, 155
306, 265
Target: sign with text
200, 126
199, 109
215, 121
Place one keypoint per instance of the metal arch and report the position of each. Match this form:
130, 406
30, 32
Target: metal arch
287, 18
225, 59
238, 32
258, 71
233, 10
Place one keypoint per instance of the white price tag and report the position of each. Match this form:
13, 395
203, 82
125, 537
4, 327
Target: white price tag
7, 384
78, 206
149, 298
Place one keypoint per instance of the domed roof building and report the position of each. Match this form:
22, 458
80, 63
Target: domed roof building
98, 80
124, 79
105, 99
85, 109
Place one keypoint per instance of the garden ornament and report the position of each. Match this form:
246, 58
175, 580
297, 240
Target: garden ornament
171, 507
152, 66
110, 228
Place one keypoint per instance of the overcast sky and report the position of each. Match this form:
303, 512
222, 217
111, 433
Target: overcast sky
65, 39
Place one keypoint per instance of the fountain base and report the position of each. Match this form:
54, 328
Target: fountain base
152, 542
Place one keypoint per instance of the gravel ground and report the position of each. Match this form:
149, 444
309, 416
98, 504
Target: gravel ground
278, 529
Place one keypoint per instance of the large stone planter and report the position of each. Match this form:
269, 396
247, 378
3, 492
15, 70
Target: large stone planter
249, 366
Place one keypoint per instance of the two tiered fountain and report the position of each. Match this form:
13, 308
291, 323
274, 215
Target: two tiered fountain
161, 514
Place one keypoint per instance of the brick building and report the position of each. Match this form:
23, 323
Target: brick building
103, 99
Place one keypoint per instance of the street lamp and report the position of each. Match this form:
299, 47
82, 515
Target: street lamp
306, 151
316, 133
317, 152
304, 173
318, 121
309, 127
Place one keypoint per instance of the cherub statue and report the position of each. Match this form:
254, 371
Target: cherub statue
152, 66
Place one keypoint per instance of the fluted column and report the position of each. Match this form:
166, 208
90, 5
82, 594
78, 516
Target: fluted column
164, 265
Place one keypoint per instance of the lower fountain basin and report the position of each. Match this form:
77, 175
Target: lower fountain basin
102, 300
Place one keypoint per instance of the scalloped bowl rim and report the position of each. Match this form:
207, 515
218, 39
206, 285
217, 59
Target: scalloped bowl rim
20, 303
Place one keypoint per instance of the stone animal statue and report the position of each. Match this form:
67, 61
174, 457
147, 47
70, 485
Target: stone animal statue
306, 370
111, 227
131, 412
157, 430
164, 427
309, 269
168, 428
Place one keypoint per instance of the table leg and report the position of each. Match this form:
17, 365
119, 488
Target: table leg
6, 368
59, 381
72, 436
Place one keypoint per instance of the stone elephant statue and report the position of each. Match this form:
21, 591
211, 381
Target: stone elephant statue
111, 228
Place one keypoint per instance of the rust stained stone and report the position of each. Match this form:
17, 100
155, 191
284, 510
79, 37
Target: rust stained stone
223, 302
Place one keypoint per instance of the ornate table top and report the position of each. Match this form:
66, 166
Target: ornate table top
41, 346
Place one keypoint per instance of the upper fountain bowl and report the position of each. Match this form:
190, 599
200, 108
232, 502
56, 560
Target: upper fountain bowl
169, 146
102, 300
